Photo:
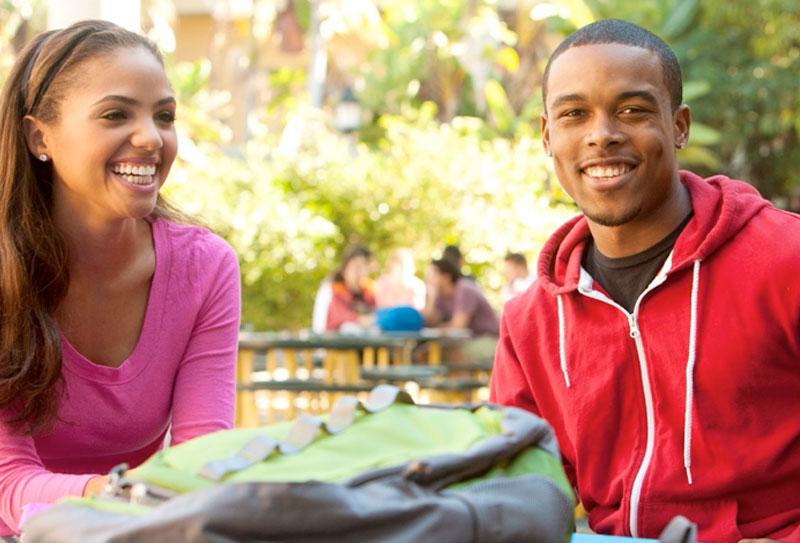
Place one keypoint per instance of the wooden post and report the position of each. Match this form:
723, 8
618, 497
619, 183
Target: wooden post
434, 353
246, 411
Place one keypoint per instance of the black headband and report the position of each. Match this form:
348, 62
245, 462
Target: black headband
51, 73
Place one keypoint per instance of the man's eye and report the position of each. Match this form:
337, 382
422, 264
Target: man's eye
632, 110
572, 113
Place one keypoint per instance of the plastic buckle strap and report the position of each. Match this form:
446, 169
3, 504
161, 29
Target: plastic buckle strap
384, 396
304, 430
254, 451
301, 434
342, 414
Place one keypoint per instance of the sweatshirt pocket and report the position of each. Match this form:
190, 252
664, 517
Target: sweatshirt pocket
715, 519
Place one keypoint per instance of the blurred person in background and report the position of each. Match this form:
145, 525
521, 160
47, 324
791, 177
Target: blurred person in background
516, 275
352, 301
456, 303
452, 253
399, 285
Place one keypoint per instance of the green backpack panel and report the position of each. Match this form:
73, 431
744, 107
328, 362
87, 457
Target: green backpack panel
384, 470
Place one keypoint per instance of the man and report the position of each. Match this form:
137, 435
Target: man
455, 302
662, 339
516, 274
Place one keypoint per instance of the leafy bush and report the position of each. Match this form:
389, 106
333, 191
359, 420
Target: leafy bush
290, 202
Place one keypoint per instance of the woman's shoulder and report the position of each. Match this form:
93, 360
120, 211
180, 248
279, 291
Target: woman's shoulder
190, 240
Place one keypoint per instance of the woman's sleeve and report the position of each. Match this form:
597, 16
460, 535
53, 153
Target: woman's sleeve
24, 480
339, 312
205, 387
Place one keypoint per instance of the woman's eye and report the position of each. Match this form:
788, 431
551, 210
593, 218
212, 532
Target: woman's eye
166, 116
115, 115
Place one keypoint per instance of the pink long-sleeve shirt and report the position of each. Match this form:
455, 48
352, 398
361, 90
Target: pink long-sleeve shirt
180, 376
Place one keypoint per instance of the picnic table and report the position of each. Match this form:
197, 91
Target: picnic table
321, 367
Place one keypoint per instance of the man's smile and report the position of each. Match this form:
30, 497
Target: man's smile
607, 174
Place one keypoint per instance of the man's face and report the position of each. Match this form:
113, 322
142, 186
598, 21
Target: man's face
512, 270
611, 131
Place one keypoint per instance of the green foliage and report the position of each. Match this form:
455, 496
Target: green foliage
290, 202
20, 20
741, 60
502, 117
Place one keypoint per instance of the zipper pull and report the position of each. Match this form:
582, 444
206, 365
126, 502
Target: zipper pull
634, 333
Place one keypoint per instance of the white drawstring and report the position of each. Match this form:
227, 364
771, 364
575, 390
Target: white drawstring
562, 340
687, 417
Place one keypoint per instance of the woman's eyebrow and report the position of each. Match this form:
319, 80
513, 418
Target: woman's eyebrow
132, 101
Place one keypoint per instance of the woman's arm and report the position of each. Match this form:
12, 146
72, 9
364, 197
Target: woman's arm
24, 479
205, 387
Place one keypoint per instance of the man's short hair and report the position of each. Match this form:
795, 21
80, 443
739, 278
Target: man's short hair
624, 33
453, 254
447, 267
518, 259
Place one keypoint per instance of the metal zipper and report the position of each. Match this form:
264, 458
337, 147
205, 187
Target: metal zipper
638, 482
636, 335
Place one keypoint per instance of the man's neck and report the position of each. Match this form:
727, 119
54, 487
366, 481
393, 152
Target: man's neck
642, 233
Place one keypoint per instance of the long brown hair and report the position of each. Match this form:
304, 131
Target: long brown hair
34, 261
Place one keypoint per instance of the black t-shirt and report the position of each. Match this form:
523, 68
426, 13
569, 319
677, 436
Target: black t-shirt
626, 278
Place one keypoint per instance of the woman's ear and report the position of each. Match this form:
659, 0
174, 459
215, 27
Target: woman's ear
35, 139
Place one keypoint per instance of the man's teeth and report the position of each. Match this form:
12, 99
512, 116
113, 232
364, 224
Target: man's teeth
136, 174
608, 171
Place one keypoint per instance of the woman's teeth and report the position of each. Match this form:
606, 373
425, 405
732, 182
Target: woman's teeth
136, 174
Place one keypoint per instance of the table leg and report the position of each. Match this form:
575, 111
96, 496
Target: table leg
434, 353
246, 412
369, 357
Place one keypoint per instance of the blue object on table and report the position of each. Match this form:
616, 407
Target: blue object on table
401, 318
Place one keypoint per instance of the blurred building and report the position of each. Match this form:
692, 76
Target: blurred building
61, 13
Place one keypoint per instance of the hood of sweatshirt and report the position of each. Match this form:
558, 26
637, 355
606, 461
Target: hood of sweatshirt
722, 207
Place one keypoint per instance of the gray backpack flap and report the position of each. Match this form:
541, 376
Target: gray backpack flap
490, 492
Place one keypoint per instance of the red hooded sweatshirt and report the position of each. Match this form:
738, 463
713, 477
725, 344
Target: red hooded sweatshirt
688, 405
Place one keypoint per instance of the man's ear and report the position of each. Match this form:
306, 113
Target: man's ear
34, 131
683, 120
545, 134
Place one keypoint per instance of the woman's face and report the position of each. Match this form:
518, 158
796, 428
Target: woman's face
354, 273
114, 141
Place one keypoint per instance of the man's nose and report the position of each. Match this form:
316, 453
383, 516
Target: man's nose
604, 131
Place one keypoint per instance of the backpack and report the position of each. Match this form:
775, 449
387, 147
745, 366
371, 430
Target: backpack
382, 470
399, 318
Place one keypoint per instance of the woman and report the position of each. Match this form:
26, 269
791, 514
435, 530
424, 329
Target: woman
399, 285
118, 321
352, 301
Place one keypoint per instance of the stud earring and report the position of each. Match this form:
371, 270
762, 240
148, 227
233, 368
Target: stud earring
43, 157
